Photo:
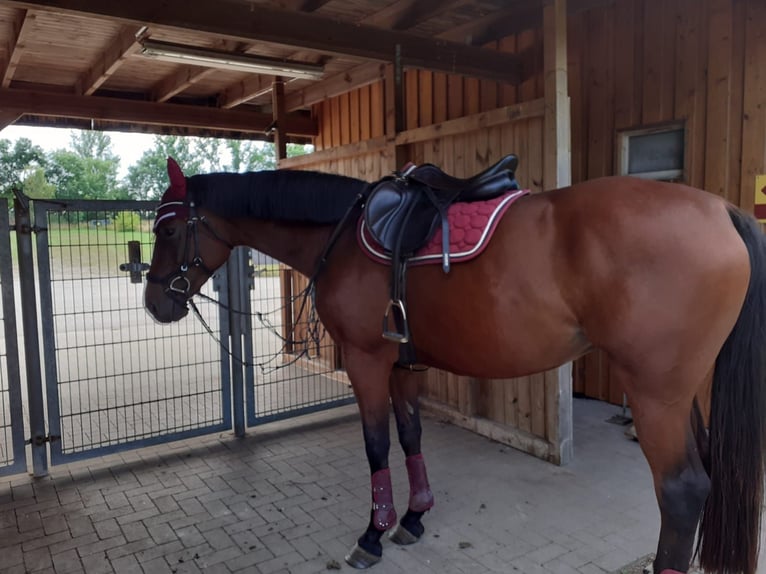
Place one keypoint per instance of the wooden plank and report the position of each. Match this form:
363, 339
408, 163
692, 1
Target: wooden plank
626, 112
599, 90
354, 117
245, 90
754, 116
578, 106
425, 98
737, 73
345, 120
718, 146
411, 97
472, 96
508, 92
335, 118
524, 405
691, 87
365, 113
326, 125
404, 14
537, 389
526, 48
377, 108
440, 101
454, 97
508, 114
515, 438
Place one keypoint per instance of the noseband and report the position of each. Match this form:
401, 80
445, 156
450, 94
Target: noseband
176, 283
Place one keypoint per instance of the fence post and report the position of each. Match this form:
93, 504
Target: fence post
237, 283
31, 335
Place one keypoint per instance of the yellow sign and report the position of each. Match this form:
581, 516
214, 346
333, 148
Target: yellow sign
760, 197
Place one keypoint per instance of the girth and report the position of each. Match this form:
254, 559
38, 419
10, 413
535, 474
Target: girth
404, 211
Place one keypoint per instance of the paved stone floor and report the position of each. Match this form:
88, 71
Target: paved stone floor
292, 497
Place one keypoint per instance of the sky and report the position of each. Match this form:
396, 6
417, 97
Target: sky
129, 147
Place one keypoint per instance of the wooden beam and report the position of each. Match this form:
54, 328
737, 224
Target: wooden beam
405, 14
303, 5
279, 115
557, 172
109, 125
178, 82
123, 46
238, 21
7, 118
15, 48
121, 110
245, 90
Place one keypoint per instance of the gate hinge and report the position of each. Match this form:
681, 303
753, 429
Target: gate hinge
41, 440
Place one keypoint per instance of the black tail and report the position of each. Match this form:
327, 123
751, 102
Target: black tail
729, 532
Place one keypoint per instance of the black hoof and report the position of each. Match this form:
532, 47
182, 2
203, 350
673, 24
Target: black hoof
359, 558
403, 537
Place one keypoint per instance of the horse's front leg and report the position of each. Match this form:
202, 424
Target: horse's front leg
369, 373
404, 397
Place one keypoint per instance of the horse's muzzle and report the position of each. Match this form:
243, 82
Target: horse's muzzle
164, 308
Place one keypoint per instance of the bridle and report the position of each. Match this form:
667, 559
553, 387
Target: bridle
176, 283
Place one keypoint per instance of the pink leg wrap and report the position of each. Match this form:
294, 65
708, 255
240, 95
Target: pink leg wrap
421, 497
384, 515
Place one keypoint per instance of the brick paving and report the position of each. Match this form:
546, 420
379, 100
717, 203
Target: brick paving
292, 497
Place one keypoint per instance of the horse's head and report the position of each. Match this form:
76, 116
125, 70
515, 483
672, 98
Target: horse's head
189, 246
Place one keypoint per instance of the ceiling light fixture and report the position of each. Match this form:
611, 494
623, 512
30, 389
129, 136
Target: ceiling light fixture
180, 54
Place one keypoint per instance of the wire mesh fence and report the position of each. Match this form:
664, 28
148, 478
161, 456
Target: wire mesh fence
114, 376
296, 363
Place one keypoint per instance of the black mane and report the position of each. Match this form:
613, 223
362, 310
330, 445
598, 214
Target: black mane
291, 196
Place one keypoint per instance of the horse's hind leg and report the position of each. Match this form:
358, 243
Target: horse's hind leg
369, 375
404, 397
666, 434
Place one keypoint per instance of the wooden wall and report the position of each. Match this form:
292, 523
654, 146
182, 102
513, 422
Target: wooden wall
639, 62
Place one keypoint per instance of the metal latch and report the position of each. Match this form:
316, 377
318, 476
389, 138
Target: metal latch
134, 266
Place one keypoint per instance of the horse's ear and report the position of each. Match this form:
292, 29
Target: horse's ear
177, 179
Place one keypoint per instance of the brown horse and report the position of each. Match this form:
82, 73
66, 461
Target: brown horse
669, 281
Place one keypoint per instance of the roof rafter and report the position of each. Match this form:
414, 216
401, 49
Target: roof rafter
21, 27
406, 14
124, 45
176, 83
303, 5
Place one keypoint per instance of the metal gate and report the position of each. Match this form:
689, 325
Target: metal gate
107, 378
12, 449
293, 368
114, 379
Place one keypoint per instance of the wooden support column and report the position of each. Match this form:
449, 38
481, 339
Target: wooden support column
557, 172
278, 104
395, 120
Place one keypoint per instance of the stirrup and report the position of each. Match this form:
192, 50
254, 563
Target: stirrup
395, 336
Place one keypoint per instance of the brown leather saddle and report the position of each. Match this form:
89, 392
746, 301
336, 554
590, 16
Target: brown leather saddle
403, 212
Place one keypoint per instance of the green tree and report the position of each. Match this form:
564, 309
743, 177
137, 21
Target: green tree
148, 178
88, 170
37, 186
18, 160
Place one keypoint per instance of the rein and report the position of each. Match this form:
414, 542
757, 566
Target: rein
177, 286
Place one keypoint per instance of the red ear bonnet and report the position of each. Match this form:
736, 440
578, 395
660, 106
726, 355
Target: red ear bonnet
173, 200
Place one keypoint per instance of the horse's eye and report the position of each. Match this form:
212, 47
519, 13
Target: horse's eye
168, 231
